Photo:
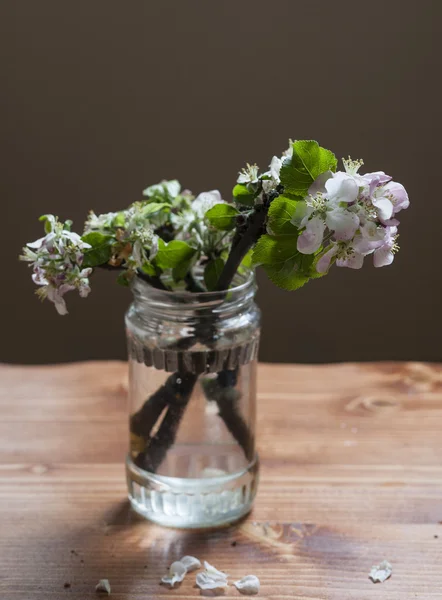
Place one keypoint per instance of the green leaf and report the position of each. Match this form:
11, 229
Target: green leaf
309, 160
173, 254
47, 224
155, 207
246, 264
149, 269
242, 194
285, 266
123, 278
212, 273
281, 212
101, 250
264, 249
247, 261
222, 216
180, 271
119, 220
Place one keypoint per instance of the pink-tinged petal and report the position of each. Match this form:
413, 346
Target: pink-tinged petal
390, 222
343, 222
65, 288
60, 306
319, 183
370, 181
383, 256
365, 246
55, 297
38, 277
84, 290
85, 272
311, 238
356, 261
323, 263
373, 232
400, 197
384, 206
379, 176
341, 188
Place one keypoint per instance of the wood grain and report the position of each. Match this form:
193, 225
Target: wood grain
351, 474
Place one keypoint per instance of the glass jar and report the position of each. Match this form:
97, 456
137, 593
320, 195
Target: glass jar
192, 399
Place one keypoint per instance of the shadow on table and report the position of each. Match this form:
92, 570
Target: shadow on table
133, 554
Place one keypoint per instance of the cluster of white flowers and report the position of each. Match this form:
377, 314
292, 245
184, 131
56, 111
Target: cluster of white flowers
133, 229
139, 232
128, 239
190, 220
186, 215
270, 179
99, 222
56, 260
355, 213
190, 225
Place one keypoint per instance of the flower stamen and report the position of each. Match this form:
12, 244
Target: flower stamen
352, 166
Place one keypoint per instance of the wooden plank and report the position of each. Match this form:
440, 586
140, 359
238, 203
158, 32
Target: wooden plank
351, 474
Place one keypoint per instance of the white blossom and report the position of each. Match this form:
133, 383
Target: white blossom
273, 178
249, 174
169, 189
98, 222
273, 175
56, 261
289, 152
144, 246
205, 201
191, 226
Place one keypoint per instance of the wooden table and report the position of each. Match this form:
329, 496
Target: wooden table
351, 475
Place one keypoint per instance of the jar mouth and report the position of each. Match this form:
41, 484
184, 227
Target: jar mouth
244, 287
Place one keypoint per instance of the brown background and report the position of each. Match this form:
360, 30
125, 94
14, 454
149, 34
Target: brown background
103, 97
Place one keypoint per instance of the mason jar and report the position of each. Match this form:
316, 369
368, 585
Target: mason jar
192, 398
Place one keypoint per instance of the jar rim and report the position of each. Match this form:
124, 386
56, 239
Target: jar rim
184, 299
248, 279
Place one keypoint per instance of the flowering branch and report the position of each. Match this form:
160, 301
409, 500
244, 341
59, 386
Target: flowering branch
295, 220
325, 217
298, 218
